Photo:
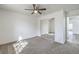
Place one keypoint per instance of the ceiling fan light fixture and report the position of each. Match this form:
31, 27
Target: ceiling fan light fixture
35, 11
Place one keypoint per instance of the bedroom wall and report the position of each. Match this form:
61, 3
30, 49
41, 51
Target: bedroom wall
73, 13
15, 25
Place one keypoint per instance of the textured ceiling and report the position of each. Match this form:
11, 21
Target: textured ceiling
50, 7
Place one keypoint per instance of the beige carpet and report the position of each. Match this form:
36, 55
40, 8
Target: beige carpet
39, 45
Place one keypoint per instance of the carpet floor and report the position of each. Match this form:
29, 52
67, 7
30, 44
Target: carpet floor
39, 45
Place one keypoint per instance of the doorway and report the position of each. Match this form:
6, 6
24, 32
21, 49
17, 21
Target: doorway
51, 29
73, 29
47, 29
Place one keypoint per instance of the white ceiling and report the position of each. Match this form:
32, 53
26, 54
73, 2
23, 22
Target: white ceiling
50, 7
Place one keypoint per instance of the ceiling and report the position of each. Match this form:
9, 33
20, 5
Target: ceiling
50, 7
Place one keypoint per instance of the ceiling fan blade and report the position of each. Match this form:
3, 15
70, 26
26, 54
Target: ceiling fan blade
42, 9
34, 6
39, 12
28, 9
32, 13
37, 7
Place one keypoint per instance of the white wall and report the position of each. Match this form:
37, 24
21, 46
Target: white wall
73, 13
13, 25
59, 25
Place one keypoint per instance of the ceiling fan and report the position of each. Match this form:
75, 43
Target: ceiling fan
36, 9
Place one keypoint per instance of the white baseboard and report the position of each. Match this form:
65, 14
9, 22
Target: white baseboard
59, 41
75, 42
